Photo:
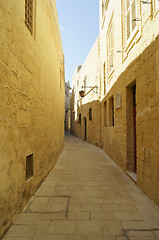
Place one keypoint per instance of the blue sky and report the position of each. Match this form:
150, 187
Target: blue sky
79, 24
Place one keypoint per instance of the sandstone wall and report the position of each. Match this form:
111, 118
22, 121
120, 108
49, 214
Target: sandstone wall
116, 140
31, 101
88, 72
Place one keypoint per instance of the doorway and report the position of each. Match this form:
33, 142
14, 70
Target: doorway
85, 128
134, 127
131, 128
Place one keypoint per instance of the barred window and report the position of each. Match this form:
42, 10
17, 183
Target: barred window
29, 15
130, 14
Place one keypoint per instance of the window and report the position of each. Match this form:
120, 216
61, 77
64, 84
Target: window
29, 167
104, 78
79, 119
130, 14
105, 113
90, 114
85, 83
156, 6
111, 111
29, 15
104, 7
110, 46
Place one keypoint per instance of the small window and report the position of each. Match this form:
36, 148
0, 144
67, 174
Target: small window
90, 114
111, 111
29, 166
29, 15
105, 113
79, 119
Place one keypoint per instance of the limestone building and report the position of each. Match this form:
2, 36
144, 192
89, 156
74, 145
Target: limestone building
85, 95
31, 100
68, 96
129, 89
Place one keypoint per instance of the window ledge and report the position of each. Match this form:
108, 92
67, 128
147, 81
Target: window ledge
110, 74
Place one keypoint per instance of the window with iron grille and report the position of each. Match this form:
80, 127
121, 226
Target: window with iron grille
29, 166
90, 114
29, 15
130, 14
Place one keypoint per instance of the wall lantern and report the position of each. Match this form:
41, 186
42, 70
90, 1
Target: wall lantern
81, 93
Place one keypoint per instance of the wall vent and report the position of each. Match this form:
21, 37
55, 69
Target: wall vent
29, 166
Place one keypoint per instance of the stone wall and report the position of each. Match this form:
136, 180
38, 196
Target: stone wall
31, 101
126, 123
117, 140
134, 67
87, 75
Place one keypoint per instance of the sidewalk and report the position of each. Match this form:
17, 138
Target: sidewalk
86, 197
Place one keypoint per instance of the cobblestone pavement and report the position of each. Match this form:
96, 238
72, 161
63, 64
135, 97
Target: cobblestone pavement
86, 197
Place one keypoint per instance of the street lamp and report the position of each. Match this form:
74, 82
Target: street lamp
82, 92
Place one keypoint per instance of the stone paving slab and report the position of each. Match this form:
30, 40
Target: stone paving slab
86, 197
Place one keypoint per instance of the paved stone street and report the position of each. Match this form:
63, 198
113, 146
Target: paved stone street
86, 197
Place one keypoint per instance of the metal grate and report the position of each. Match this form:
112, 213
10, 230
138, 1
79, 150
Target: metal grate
29, 166
29, 15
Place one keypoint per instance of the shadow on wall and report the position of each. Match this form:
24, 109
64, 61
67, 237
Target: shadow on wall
86, 122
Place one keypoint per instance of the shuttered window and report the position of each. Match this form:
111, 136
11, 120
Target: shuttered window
110, 49
130, 14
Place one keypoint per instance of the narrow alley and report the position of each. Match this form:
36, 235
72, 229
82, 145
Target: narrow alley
86, 197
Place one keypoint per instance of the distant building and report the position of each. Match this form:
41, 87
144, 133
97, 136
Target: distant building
68, 96
31, 100
128, 90
85, 95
